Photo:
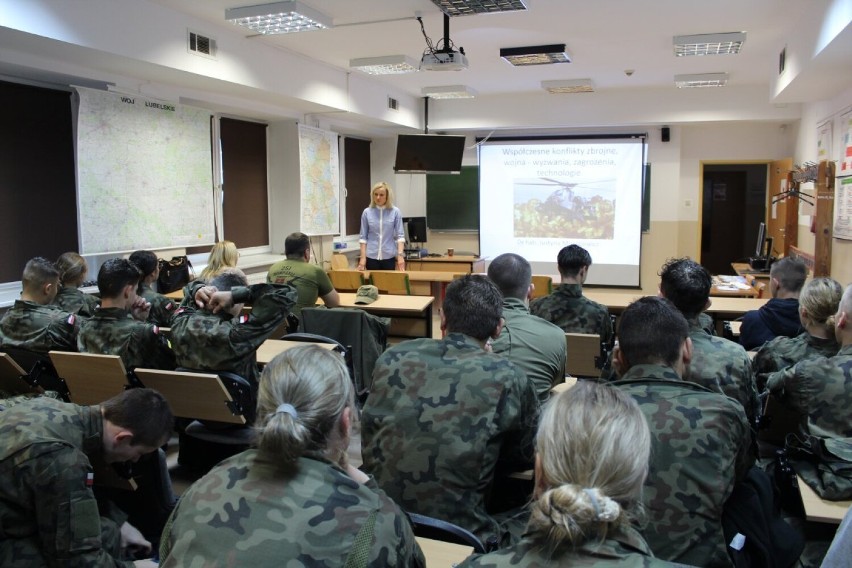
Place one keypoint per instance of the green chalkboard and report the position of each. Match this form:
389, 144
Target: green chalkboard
452, 201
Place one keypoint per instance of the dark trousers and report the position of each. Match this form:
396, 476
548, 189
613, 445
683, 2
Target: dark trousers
386, 264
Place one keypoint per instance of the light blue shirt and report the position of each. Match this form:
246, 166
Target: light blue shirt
381, 230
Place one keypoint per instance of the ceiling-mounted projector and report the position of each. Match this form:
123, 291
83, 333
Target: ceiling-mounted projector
443, 61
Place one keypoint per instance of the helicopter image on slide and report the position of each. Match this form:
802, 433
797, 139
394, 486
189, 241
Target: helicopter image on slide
548, 207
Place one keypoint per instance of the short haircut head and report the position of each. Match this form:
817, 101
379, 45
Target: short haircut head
512, 274
387, 188
473, 306
115, 274
593, 444
652, 331
145, 260
686, 284
38, 272
571, 259
295, 245
790, 272
142, 411
229, 278
315, 383
820, 298
72, 267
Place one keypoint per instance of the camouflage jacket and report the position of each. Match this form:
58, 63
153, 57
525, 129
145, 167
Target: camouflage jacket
820, 389
567, 308
441, 417
39, 328
113, 331
48, 513
622, 548
76, 301
783, 352
723, 366
700, 448
206, 341
247, 511
533, 344
162, 307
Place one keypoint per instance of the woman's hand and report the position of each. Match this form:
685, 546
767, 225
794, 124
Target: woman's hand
400, 262
362, 264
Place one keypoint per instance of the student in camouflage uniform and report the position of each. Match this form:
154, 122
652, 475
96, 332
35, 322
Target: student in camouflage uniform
33, 323
818, 304
444, 417
310, 280
48, 513
72, 272
700, 439
821, 388
780, 315
717, 363
583, 507
294, 500
566, 306
214, 336
119, 326
533, 344
162, 308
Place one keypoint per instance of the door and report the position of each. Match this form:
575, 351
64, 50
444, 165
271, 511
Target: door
782, 217
723, 220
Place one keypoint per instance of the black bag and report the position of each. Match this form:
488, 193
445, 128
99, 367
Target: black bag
174, 274
757, 534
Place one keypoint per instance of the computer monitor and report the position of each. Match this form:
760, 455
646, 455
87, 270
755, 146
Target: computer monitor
415, 229
761, 239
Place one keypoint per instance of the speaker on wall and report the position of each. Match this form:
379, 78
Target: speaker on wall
667, 133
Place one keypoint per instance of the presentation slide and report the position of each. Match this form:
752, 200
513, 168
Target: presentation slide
538, 196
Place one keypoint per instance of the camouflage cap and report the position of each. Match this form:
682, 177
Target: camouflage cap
367, 294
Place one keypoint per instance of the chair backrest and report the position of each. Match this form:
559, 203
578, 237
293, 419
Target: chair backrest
91, 378
346, 280
12, 376
543, 286
436, 529
777, 421
39, 370
584, 354
391, 282
339, 262
364, 335
202, 396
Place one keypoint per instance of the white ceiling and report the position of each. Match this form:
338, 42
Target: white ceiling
604, 37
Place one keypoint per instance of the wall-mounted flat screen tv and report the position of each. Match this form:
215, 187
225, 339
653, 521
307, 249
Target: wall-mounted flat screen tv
428, 154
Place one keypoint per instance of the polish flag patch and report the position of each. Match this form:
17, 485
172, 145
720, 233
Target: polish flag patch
71, 319
90, 479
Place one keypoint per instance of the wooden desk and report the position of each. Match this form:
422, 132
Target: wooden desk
743, 269
427, 282
455, 263
721, 308
818, 509
722, 286
411, 316
442, 554
272, 347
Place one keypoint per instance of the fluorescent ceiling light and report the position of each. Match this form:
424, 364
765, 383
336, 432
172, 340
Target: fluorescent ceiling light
709, 44
449, 92
468, 7
536, 54
570, 86
385, 65
701, 80
278, 18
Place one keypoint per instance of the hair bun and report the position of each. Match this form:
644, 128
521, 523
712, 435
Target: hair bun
606, 509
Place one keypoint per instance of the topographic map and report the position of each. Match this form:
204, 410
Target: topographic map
144, 171
319, 171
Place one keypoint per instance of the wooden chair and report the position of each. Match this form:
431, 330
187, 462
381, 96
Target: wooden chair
202, 396
91, 378
543, 286
584, 354
13, 377
346, 280
391, 282
339, 262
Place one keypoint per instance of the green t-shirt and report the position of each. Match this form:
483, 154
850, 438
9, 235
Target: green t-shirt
310, 281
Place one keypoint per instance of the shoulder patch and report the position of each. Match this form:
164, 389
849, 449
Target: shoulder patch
155, 329
243, 319
71, 319
170, 306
